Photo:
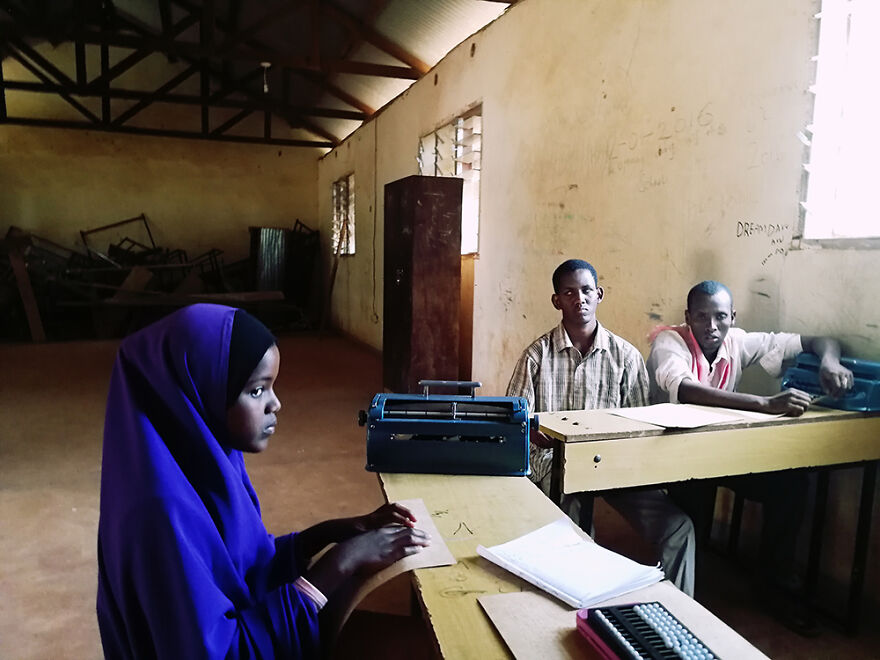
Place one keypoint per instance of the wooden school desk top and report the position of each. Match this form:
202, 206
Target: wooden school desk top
473, 510
601, 451
468, 511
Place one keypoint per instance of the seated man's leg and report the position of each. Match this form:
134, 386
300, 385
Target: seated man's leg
697, 499
540, 467
579, 507
660, 522
783, 498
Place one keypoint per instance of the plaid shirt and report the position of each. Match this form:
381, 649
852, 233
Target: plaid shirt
553, 375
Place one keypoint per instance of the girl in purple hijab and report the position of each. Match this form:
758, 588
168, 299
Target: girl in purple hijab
186, 568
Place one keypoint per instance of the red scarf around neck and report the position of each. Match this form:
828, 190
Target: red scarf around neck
699, 364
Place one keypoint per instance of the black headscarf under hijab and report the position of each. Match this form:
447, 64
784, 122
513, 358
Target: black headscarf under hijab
249, 342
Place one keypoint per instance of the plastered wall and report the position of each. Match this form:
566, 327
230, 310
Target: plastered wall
196, 195
657, 140
356, 303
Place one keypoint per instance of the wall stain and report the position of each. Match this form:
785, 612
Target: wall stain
654, 316
508, 299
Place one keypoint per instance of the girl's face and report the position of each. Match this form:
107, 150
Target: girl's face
252, 418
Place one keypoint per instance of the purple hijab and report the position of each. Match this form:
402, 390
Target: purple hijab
186, 568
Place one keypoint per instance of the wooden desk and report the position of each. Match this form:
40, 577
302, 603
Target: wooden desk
596, 450
469, 511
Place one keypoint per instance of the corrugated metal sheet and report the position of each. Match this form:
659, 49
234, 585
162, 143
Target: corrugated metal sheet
269, 251
427, 30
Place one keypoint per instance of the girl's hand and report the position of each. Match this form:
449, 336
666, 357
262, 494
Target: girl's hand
387, 514
374, 550
364, 554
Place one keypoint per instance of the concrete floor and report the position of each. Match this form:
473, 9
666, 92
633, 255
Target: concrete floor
52, 401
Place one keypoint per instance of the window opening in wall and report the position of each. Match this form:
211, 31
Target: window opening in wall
343, 215
454, 150
843, 140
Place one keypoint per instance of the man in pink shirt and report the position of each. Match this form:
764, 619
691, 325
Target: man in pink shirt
701, 362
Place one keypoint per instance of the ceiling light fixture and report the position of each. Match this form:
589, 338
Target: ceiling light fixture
265, 66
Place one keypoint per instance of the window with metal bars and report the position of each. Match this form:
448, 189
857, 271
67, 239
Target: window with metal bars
343, 215
838, 207
454, 149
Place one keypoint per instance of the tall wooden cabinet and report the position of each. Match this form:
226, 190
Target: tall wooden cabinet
422, 281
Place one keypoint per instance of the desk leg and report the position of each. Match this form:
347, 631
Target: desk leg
585, 519
736, 517
820, 506
556, 472
863, 531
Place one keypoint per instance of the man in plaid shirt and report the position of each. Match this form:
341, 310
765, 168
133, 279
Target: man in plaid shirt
580, 365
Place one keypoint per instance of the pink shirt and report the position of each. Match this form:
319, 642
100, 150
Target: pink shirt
673, 359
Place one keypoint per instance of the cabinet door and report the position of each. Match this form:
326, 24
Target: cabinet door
422, 281
397, 318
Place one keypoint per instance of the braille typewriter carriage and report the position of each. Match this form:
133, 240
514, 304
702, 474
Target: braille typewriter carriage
447, 434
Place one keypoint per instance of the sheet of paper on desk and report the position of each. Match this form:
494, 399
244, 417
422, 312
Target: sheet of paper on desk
535, 626
563, 563
436, 554
678, 415
750, 415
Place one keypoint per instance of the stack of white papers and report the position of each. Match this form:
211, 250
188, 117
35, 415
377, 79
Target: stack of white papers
577, 571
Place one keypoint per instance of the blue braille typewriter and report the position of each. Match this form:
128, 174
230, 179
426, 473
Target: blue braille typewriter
864, 395
447, 434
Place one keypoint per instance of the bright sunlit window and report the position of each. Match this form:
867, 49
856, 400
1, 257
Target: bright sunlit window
454, 150
343, 215
841, 200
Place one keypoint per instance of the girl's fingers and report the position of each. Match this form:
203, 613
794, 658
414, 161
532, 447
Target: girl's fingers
404, 520
402, 510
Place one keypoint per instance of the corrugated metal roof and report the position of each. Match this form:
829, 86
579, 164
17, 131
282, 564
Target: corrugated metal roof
428, 30
334, 55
